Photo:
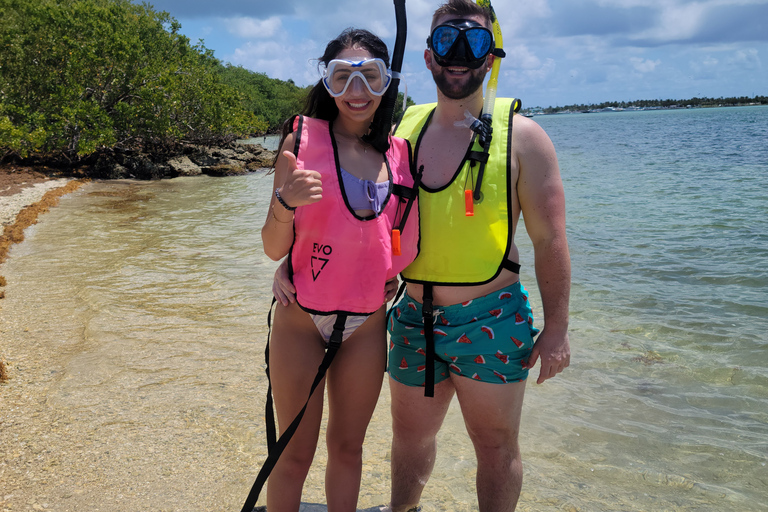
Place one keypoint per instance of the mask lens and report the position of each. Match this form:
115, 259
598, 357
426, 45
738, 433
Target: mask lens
374, 76
339, 78
340, 74
479, 40
443, 38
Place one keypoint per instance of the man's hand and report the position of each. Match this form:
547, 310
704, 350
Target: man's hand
390, 289
555, 354
282, 287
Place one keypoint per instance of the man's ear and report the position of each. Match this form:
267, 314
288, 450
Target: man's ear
489, 62
428, 58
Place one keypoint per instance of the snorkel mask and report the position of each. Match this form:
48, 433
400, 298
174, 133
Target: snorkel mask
460, 42
339, 73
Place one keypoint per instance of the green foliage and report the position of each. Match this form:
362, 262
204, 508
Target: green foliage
269, 99
76, 75
659, 103
399, 106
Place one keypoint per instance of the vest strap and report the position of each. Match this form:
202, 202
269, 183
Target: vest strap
413, 194
403, 191
275, 449
478, 156
511, 266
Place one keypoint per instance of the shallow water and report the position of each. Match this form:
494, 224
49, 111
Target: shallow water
135, 322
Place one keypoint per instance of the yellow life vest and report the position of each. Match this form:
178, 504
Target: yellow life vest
457, 249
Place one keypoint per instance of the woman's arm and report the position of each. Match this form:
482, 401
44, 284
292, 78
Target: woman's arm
297, 187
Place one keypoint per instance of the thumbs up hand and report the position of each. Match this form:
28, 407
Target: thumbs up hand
301, 186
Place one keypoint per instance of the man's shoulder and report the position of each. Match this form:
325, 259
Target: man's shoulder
419, 111
413, 119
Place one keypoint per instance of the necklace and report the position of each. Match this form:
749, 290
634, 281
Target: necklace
353, 139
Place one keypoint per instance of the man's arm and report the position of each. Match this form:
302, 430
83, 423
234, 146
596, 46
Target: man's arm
542, 201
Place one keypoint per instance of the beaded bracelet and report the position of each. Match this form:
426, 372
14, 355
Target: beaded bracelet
285, 205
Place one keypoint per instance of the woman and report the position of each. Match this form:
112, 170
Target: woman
339, 212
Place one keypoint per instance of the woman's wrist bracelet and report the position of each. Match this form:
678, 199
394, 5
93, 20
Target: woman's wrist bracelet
282, 202
278, 220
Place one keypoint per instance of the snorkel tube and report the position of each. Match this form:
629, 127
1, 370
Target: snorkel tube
490, 99
381, 125
490, 89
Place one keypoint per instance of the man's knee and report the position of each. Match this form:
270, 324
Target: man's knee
496, 444
415, 416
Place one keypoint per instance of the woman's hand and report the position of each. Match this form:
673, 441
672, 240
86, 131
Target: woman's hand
301, 186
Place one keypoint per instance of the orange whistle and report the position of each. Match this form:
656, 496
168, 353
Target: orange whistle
396, 242
469, 205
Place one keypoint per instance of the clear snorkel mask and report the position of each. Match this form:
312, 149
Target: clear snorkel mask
339, 73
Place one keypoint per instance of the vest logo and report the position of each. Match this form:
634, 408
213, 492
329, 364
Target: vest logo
318, 263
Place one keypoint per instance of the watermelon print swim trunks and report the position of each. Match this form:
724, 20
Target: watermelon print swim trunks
485, 339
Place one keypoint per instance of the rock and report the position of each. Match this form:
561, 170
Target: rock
142, 168
107, 168
202, 157
223, 153
183, 166
231, 159
226, 167
245, 156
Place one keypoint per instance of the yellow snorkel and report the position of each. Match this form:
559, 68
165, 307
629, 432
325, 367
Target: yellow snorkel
489, 101
490, 89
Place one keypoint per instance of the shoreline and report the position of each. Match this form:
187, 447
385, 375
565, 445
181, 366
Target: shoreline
25, 195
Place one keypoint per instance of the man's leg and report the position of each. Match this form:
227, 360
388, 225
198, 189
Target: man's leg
416, 419
492, 416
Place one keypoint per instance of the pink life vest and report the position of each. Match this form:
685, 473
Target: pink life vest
340, 262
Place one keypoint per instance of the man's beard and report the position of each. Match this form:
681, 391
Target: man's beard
458, 91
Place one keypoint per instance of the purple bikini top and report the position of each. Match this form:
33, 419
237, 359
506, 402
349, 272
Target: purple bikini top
364, 194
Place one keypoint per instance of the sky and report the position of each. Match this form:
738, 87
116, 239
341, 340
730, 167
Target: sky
559, 52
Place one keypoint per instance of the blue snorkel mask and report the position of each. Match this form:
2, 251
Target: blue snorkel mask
461, 42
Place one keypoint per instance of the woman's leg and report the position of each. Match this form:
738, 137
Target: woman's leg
295, 352
354, 383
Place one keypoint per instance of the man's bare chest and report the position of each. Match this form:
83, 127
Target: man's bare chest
442, 154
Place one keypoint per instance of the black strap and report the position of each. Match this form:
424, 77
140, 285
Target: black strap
276, 448
429, 337
403, 191
478, 156
511, 266
413, 195
269, 413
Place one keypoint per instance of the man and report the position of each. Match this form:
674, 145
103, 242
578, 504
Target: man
483, 337
482, 344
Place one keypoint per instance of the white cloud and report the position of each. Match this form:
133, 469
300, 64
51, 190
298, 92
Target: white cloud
747, 58
253, 28
521, 57
644, 65
676, 22
278, 60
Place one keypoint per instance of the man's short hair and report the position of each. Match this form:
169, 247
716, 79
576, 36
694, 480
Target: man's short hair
462, 9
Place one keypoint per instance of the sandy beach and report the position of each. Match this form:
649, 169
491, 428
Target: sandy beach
25, 194
41, 465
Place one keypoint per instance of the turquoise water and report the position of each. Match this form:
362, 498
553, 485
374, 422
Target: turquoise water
152, 297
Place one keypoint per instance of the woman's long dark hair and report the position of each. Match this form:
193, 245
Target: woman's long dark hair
320, 104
